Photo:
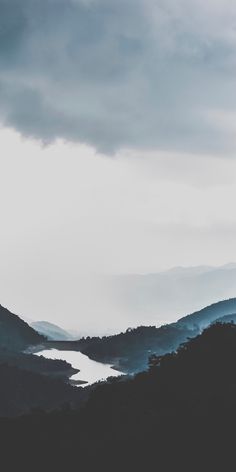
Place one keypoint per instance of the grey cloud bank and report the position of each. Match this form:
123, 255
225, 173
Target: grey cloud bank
128, 74
70, 218
152, 83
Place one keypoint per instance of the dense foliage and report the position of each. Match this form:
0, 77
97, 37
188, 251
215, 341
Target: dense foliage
209, 314
130, 351
38, 364
15, 334
23, 390
180, 415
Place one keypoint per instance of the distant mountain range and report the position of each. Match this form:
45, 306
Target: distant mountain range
201, 319
164, 297
51, 331
109, 304
31, 381
130, 350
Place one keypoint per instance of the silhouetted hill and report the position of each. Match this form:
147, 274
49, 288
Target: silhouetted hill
202, 368
179, 415
129, 351
206, 316
38, 364
51, 331
21, 390
29, 381
15, 334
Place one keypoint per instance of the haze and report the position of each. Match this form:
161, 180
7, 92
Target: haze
117, 153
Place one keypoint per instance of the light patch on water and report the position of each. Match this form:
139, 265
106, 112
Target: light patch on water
90, 371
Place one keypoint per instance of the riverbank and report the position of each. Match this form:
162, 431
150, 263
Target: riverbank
120, 364
88, 371
65, 373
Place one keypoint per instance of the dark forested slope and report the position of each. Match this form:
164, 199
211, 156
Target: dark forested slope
37, 364
179, 415
28, 381
130, 350
22, 390
15, 334
209, 314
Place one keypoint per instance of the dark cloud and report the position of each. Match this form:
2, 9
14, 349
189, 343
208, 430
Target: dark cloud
134, 73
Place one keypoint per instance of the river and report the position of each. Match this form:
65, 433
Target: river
90, 371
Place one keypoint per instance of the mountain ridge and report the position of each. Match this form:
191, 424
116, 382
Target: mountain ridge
179, 415
130, 350
15, 333
51, 331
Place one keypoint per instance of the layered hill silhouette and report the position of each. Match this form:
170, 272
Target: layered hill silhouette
23, 390
163, 297
16, 334
29, 381
51, 331
179, 415
202, 318
130, 351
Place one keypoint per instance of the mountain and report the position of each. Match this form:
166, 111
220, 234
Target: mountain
179, 415
37, 364
16, 334
29, 381
159, 298
23, 390
108, 304
51, 331
209, 314
129, 351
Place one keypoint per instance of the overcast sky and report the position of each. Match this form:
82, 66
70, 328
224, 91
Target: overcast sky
117, 144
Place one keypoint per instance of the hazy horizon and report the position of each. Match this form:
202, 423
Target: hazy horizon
110, 304
117, 133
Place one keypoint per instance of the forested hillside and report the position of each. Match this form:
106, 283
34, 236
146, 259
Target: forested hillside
130, 351
180, 415
15, 334
50, 330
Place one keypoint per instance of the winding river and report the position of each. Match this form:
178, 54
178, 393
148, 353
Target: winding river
90, 371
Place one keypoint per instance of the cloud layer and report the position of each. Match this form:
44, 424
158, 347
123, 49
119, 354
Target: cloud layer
70, 218
128, 74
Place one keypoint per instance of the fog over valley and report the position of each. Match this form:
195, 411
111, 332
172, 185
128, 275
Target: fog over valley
78, 227
117, 235
106, 304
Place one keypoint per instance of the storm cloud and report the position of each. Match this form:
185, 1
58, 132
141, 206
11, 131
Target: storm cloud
144, 74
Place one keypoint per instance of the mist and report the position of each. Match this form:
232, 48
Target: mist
79, 231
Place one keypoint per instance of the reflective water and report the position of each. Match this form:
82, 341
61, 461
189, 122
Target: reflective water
90, 371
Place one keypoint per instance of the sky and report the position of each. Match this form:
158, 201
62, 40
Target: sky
117, 147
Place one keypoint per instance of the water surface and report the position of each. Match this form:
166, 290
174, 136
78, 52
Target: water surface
90, 371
